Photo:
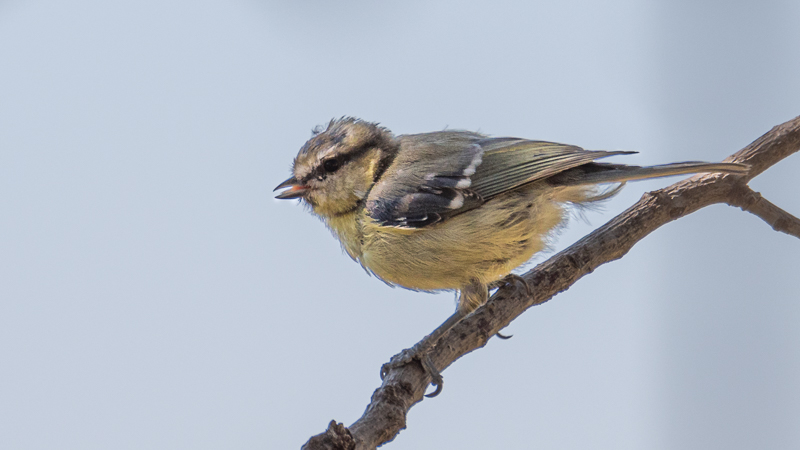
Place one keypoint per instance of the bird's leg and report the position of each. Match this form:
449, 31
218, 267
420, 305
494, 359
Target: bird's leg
471, 296
511, 280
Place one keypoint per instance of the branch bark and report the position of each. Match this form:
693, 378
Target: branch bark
402, 388
752, 202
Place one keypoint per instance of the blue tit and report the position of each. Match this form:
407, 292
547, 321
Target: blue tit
451, 210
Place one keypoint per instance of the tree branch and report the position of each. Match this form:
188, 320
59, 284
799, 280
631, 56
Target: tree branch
403, 387
752, 202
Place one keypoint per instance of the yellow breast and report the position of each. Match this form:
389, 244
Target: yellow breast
483, 244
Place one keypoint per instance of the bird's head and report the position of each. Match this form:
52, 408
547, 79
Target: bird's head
335, 170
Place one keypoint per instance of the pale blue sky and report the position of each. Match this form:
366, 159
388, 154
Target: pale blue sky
153, 294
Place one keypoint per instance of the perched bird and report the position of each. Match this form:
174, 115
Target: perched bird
450, 209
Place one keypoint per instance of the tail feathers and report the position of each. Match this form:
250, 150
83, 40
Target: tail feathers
595, 173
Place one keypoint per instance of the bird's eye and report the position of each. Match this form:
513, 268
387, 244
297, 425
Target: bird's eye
331, 165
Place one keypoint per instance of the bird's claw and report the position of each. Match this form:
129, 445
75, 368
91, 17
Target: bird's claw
514, 279
421, 354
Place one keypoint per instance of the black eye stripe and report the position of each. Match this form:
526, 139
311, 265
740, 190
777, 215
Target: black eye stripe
322, 170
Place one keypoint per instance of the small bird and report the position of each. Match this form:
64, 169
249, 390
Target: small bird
451, 210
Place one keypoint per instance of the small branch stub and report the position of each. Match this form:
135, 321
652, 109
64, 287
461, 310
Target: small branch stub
336, 437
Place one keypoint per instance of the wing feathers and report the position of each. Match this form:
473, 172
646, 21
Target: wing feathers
429, 181
438, 175
510, 163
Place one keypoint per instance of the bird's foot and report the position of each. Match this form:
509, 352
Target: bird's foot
510, 280
422, 353
513, 279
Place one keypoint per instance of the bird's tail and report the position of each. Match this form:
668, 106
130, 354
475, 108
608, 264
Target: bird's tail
596, 173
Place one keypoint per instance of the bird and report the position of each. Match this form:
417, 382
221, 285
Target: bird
453, 209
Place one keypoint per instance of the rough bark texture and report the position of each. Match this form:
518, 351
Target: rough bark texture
386, 413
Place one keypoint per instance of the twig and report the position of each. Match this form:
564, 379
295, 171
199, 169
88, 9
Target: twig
752, 202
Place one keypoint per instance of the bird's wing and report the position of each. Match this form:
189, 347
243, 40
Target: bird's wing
439, 175
509, 163
428, 181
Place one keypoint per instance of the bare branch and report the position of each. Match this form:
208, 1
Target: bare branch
751, 201
402, 388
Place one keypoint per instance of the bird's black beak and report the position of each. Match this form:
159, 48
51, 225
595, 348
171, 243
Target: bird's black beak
296, 190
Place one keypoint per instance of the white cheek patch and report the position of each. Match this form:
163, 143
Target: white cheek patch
465, 183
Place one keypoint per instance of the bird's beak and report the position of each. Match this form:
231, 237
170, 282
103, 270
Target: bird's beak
295, 190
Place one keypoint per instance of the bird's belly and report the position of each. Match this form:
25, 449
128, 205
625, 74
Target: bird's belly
484, 244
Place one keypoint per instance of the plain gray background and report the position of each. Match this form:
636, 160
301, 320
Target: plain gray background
153, 294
